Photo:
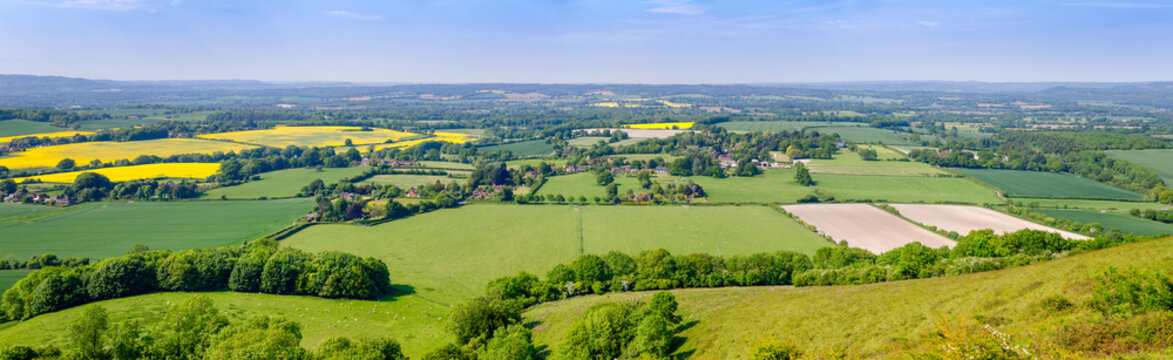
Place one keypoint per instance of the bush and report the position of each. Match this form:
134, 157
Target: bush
1132, 292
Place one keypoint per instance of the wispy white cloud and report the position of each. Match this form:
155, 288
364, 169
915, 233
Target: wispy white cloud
1120, 5
354, 16
927, 23
679, 7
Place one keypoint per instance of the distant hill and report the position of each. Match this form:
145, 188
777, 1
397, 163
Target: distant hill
17, 84
876, 321
948, 86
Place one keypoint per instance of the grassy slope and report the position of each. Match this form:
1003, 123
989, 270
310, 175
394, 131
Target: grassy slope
282, 183
1045, 184
111, 228
1160, 161
417, 324
1124, 222
450, 255
905, 189
25, 127
871, 320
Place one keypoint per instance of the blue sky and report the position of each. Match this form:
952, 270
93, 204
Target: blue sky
599, 41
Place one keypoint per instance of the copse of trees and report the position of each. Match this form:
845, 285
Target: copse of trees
257, 267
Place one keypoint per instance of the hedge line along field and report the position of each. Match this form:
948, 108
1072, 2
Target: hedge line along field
1123, 222
417, 324
1160, 161
281, 183
104, 229
83, 153
779, 126
135, 172
1047, 185
18, 127
450, 255
864, 321
906, 189
51, 135
524, 148
282, 136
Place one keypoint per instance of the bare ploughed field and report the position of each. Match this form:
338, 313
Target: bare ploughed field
963, 219
865, 226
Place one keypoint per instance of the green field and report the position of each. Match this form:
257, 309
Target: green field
104, 229
877, 321
281, 183
535, 162
588, 141
1123, 222
849, 163
410, 181
18, 127
524, 148
863, 135
450, 255
1160, 161
913, 189
774, 186
446, 165
15, 211
10, 277
1048, 185
416, 323
1091, 204
778, 126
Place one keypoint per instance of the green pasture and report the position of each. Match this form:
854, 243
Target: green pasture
410, 181
1048, 185
281, 183
863, 135
524, 148
1091, 204
450, 255
779, 126
849, 163
446, 165
1123, 222
104, 229
17, 127
1160, 161
535, 162
905, 189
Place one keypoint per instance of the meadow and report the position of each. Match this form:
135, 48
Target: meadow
862, 135
535, 162
104, 229
410, 181
849, 163
779, 126
774, 186
282, 136
1091, 204
1048, 185
10, 210
453, 263
524, 148
281, 183
907, 189
1123, 222
1160, 161
446, 165
83, 153
19, 128
51, 135
878, 320
417, 324
135, 172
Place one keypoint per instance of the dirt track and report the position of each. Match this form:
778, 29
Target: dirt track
963, 219
865, 226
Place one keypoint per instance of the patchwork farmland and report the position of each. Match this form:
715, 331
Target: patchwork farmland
136, 172
865, 226
964, 219
82, 153
283, 136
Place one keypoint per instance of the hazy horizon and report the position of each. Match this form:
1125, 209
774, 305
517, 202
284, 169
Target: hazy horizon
589, 41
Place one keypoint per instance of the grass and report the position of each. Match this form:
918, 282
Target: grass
1048, 185
863, 135
135, 172
83, 153
19, 127
415, 323
535, 162
778, 126
104, 229
9, 210
588, 141
282, 136
524, 148
281, 183
1092, 204
874, 321
447, 165
1123, 222
1160, 161
909, 189
10, 277
450, 255
849, 163
409, 181
51, 135
774, 186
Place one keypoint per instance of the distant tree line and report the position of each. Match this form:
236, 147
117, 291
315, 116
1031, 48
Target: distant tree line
257, 267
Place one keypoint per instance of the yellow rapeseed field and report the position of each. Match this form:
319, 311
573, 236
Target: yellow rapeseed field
57, 134
282, 136
135, 172
83, 153
674, 105
457, 138
606, 104
660, 126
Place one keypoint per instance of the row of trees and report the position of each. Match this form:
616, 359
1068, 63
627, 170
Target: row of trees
257, 267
